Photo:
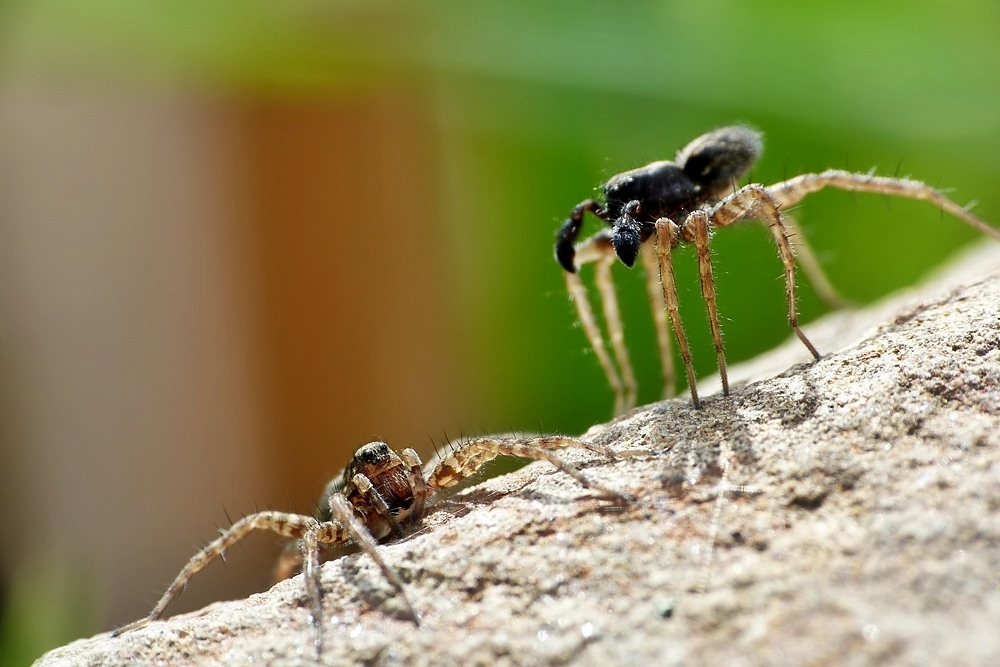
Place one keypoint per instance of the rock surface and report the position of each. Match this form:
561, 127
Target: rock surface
844, 512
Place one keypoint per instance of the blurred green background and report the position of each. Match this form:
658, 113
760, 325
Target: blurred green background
518, 110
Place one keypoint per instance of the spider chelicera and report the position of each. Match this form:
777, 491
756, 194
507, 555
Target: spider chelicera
653, 209
378, 494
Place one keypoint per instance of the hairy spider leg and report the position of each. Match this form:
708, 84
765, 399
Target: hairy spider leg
578, 294
653, 289
754, 202
467, 457
598, 249
616, 332
699, 221
787, 193
372, 496
295, 526
414, 471
344, 513
666, 238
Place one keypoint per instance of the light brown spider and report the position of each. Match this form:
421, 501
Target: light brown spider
378, 493
653, 209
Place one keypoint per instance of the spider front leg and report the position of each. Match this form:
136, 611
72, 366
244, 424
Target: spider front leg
598, 249
654, 290
666, 238
343, 512
616, 331
698, 221
375, 499
464, 459
294, 526
755, 202
415, 474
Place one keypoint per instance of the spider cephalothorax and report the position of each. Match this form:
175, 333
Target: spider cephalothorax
703, 171
392, 487
665, 204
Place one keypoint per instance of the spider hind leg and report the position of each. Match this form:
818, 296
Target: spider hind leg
756, 202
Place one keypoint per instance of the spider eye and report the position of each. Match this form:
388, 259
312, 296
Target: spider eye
626, 241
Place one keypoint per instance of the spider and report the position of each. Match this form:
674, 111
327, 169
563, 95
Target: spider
377, 494
653, 209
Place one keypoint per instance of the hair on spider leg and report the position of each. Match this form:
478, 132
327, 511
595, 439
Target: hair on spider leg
380, 495
666, 204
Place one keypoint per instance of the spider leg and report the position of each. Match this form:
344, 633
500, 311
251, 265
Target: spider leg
417, 483
699, 221
794, 189
616, 333
653, 288
287, 525
753, 201
343, 512
467, 457
597, 248
370, 494
309, 545
578, 293
810, 265
666, 239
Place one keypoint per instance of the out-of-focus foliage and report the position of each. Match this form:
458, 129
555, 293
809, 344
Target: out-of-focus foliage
48, 605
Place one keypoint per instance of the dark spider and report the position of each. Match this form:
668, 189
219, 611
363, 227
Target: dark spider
683, 202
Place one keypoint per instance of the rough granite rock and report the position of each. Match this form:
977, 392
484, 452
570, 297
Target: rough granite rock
844, 512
